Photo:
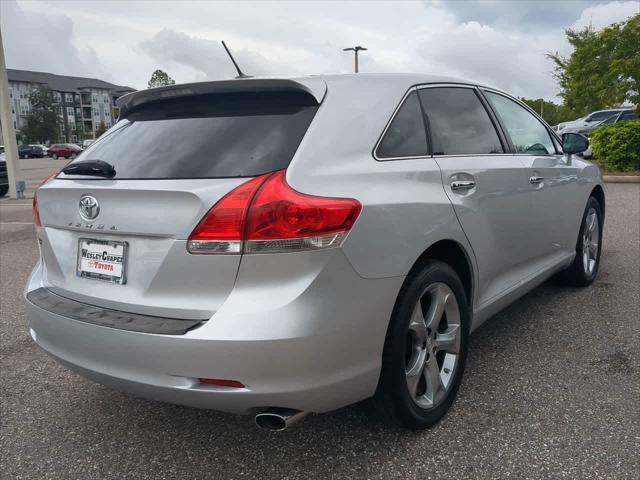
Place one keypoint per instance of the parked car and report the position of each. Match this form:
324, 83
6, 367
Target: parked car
87, 143
30, 151
331, 248
591, 119
4, 176
45, 150
623, 116
64, 150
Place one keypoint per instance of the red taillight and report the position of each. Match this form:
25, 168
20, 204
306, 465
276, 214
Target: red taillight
36, 208
221, 229
267, 215
221, 383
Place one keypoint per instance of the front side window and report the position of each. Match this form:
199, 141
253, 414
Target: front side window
406, 136
528, 134
458, 122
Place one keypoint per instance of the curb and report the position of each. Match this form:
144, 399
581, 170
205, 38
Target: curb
621, 178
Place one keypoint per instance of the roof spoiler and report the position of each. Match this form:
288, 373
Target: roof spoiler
315, 88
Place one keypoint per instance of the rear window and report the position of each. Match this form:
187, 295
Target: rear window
208, 136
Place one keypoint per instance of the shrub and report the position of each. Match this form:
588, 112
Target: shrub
617, 146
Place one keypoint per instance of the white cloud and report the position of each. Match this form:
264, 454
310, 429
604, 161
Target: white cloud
599, 16
45, 42
501, 43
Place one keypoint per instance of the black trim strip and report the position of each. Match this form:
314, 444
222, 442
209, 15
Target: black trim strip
134, 322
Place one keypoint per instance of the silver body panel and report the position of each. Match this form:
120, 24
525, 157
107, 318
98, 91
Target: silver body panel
301, 330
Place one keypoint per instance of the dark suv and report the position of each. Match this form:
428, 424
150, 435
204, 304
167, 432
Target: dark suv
30, 151
4, 178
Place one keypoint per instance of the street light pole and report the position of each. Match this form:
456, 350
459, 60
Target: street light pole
355, 50
8, 132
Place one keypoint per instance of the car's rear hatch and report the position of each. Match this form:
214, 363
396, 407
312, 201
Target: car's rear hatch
176, 151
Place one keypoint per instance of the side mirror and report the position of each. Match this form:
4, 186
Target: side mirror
574, 143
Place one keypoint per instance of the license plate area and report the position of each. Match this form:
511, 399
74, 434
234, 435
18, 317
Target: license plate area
102, 260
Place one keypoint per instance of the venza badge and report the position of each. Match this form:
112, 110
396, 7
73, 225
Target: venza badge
89, 207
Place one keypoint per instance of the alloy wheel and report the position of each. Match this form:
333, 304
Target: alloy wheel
433, 345
590, 241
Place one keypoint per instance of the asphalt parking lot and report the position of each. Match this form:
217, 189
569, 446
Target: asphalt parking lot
552, 390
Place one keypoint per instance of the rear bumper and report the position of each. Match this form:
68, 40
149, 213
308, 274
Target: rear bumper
314, 347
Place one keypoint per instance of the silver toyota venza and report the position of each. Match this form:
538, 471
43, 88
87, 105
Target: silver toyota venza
285, 246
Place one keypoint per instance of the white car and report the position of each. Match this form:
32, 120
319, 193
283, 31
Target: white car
591, 119
45, 149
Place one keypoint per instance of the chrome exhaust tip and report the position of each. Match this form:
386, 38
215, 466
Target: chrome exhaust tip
279, 419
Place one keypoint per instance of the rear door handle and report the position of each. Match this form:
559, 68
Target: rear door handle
534, 180
462, 185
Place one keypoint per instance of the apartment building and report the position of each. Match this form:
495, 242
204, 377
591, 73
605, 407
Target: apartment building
83, 103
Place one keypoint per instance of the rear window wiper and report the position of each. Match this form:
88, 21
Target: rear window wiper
94, 168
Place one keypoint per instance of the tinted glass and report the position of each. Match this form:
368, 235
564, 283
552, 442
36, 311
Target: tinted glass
599, 116
458, 122
406, 136
527, 133
609, 120
231, 135
628, 116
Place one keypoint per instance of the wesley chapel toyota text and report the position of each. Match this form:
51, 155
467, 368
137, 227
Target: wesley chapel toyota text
278, 246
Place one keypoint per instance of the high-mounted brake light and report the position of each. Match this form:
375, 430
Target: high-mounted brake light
36, 207
265, 215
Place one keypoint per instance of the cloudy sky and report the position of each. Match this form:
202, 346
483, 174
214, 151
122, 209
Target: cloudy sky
499, 42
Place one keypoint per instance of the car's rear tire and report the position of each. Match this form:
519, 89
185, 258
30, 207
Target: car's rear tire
584, 269
54, 156
3, 190
425, 348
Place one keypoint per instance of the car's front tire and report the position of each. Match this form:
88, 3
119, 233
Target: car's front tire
425, 348
3, 190
584, 269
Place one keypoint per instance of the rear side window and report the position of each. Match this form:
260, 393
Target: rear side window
599, 116
528, 134
207, 136
458, 122
406, 136
628, 116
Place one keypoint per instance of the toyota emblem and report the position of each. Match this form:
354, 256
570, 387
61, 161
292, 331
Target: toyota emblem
89, 207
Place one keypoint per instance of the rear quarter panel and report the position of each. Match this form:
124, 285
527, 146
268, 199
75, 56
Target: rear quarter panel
405, 208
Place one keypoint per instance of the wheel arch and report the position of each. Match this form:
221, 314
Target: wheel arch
598, 194
453, 254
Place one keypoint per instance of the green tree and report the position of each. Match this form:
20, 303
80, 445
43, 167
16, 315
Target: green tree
101, 129
604, 68
160, 78
551, 112
43, 123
